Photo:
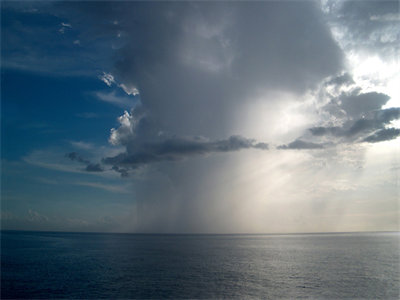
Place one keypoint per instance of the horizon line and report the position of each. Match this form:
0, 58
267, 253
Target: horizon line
198, 233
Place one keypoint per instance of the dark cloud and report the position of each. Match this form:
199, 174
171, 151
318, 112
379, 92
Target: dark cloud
383, 135
177, 149
355, 104
122, 171
299, 144
165, 149
351, 130
373, 121
145, 143
353, 116
94, 168
90, 167
321, 131
76, 157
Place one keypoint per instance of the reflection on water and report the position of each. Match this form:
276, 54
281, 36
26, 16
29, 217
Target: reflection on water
84, 265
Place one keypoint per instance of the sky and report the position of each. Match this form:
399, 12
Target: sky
200, 117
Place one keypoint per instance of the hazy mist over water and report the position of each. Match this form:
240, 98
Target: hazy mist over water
89, 265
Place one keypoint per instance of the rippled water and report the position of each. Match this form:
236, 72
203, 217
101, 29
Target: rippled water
83, 265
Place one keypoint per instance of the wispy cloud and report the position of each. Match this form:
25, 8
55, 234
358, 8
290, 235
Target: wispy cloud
35, 159
112, 98
107, 187
82, 145
54, 160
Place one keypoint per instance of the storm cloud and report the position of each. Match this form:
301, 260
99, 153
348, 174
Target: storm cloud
299, 144
222, 57
175, 149
197, 64
197, 68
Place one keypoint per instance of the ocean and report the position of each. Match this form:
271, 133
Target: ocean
113, 266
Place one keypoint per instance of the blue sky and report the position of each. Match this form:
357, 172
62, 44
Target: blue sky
51, 107
54, 115
200, 117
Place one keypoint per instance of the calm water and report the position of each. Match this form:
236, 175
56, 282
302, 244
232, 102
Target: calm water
83, 265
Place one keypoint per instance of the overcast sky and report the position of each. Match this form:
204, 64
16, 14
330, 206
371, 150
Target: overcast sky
202, 117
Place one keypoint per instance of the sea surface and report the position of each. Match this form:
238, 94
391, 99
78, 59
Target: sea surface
91, 265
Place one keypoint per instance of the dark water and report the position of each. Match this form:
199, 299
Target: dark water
82, 265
